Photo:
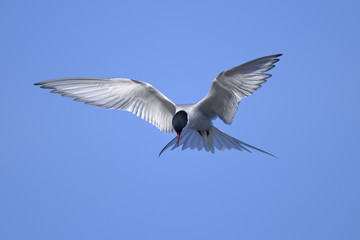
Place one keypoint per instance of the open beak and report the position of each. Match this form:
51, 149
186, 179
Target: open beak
178, 138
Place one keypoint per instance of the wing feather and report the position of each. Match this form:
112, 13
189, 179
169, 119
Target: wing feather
140, 98
230, 86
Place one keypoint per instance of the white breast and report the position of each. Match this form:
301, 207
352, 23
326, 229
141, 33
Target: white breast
197, 120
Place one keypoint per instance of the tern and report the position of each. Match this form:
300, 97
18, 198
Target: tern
192, 122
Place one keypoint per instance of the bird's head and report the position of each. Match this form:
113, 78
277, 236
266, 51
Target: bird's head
179, 121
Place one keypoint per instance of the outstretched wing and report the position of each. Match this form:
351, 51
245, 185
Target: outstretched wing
134, 96
230, 86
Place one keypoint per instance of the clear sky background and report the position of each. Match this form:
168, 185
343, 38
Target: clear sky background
72, 171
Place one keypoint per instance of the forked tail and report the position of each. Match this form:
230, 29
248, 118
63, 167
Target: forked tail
209, 140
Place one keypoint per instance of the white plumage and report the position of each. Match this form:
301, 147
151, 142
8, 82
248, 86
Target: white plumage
134, 96
232, 85
215, 139
192, 122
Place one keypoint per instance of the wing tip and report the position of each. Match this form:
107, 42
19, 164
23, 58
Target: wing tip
275, 55
41, 83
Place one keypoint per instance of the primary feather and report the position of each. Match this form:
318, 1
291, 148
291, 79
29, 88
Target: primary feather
134, 96
232, 85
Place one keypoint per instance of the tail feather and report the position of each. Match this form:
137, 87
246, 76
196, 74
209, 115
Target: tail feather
209, 140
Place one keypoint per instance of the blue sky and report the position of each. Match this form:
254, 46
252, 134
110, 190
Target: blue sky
72, 171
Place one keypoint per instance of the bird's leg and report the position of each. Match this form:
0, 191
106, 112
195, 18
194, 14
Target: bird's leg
203, 132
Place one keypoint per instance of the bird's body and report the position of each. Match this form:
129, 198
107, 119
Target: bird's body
197, 120
191, 122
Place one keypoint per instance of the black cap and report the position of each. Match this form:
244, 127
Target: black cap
179, 121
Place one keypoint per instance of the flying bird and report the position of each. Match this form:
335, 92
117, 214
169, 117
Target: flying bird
191, 122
